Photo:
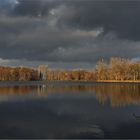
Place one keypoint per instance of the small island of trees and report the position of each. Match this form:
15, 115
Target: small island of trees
116, 70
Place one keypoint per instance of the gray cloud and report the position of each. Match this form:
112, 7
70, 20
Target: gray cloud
64, 31
121, 17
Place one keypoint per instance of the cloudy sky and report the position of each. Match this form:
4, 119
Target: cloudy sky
68, 33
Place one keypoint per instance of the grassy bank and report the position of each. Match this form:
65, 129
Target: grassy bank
118, 81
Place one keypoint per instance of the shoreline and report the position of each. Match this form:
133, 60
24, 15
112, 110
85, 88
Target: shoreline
40, 83
118, 81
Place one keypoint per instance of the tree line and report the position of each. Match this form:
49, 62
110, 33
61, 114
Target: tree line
116, 69
18, 74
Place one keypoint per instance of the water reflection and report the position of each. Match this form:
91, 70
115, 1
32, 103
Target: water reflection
70, 111
117, 94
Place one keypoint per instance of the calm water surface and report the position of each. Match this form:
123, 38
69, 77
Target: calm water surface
69, 110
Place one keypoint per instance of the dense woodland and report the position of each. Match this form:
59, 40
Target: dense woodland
117, 69
18, 74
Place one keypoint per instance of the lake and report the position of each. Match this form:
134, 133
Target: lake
69, 110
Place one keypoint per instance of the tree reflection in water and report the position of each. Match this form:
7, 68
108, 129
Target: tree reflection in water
117, 94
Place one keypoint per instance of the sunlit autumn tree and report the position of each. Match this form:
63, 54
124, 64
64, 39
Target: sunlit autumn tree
102, 70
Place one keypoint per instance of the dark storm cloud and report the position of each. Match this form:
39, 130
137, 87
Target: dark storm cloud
6, 6
39, 42
35, 7
69, 30
121, 17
